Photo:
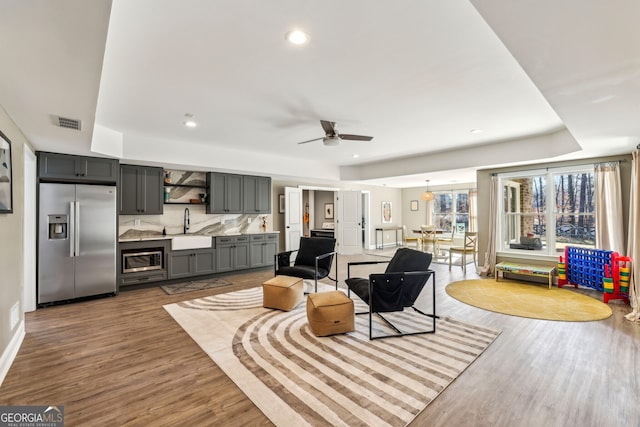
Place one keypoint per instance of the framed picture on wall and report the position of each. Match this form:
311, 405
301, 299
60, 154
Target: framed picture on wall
6, 181
328, 211
386, 213
413, 205
281, 203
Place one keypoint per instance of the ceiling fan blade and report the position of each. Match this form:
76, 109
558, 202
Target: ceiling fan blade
329, 127
311, 140
355, 137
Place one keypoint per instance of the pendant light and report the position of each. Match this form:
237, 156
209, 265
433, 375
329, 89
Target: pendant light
427, 196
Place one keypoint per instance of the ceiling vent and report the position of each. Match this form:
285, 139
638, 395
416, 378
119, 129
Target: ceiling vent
65, 122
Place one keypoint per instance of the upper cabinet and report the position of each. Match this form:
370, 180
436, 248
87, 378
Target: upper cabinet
141, 190
68, 168
225, 193
257, 194
230, 193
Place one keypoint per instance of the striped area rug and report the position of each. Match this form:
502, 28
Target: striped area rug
298, 379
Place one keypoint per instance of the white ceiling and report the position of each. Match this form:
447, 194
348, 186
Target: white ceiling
544, 80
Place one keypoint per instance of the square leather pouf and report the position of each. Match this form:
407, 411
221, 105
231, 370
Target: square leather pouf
282, 292
330, 313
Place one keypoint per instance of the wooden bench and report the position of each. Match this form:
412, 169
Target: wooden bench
526, 270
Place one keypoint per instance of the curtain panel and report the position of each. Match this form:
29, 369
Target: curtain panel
489, 267
609, 226
633, 241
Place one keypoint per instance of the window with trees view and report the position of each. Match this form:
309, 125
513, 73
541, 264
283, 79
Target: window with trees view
545, 211
451, 211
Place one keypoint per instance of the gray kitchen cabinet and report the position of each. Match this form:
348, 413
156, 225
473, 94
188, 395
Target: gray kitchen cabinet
264, 247
143, 277
256, 194
225, 193
191, 262
69, 168
232, 253
141, 190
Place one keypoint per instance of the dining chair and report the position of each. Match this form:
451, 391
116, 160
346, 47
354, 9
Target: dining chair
430, 236
470, 247
407, 239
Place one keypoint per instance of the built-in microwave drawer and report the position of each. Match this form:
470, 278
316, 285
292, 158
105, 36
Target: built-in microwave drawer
135, 260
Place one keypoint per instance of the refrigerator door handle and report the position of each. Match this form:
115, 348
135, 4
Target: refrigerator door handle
76, 225
72, 228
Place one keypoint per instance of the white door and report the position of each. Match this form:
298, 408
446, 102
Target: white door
292, 218
349, 225
366, 222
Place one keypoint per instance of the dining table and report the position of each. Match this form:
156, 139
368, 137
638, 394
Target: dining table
437, 253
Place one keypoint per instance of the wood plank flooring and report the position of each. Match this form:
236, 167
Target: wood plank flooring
124, 361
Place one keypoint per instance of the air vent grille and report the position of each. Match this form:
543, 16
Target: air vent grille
65, 122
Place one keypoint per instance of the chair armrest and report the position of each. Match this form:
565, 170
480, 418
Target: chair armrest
366, 262
419, 272
283, 259
319, 257
362, 263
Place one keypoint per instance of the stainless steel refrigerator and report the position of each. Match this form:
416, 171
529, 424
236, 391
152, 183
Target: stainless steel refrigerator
76, 241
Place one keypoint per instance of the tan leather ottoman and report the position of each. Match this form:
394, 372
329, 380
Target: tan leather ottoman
330, 313
282, 292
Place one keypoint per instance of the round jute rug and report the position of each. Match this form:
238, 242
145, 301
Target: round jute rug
535, 301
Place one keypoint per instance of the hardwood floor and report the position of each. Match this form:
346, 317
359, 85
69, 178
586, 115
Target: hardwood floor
124, 361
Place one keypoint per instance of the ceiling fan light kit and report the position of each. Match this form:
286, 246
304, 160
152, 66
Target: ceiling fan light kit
331, 141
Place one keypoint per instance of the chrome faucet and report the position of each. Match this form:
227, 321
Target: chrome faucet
186, 220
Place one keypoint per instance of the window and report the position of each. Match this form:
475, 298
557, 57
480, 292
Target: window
451, 211
544, 211
443, 211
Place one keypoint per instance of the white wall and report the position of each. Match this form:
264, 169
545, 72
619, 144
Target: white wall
11, 250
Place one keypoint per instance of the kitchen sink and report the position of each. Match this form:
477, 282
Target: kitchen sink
190, 242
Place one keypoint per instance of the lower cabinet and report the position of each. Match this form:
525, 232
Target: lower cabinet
142, 277
232, 253
264, 248
229, 253
192, 262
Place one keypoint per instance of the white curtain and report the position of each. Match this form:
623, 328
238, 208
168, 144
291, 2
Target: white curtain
429, 210
609, 226
633, 242
490, 255
473, 209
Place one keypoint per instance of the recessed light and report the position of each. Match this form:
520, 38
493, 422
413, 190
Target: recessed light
297, 37
476, 131
189, 122
355, 156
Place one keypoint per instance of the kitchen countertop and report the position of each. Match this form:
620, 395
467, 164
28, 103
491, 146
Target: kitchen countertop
140, 236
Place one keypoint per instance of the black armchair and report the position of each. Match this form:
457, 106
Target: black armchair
396, 289
313, 260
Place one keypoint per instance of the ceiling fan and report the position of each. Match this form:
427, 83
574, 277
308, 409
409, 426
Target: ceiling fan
332, 137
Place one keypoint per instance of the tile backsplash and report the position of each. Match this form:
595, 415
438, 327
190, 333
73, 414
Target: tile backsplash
200, 222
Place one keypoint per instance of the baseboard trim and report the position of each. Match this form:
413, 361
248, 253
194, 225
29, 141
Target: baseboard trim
11, 351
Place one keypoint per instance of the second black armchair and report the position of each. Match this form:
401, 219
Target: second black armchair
396, 289
313, 260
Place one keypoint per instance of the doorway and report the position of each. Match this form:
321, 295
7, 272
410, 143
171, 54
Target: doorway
319, 215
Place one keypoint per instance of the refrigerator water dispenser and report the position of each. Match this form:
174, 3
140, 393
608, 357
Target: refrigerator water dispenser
58, 226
